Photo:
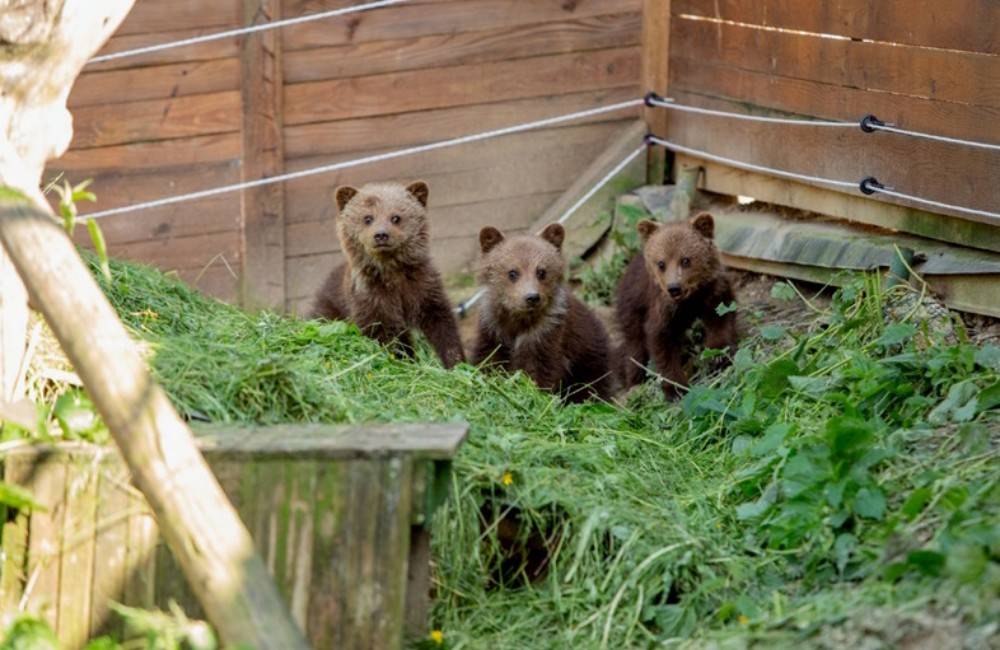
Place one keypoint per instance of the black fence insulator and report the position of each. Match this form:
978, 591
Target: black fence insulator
653, 97
870, 185
869, 122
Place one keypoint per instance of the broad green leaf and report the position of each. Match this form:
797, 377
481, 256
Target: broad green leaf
967, 562
27, 633
928, 563
724, 309
989, 398
916, 502
100, 247
843, 548
846, 434
772, 332
773, 437
896, 334
989, 357
774, 379
783, 291
676, 621
958, 397
870, 503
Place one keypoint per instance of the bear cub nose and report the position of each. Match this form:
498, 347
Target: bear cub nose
532, 299
674, 290
381, 237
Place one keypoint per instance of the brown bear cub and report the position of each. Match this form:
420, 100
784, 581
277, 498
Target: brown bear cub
388, 284
676, 280
530, 321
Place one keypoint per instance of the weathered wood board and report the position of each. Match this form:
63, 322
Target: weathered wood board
332, 510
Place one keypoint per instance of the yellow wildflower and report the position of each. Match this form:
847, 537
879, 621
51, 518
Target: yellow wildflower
437, 636
743, 619
508, 478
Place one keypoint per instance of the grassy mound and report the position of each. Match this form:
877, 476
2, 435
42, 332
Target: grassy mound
839, 484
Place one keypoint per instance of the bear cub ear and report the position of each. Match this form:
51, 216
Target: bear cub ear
489, 237
554, 233
343, 196
419, 191
704, 224
646, 228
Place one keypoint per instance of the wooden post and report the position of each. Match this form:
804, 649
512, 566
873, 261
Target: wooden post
262, 258
43, 52
655, 77
13, 328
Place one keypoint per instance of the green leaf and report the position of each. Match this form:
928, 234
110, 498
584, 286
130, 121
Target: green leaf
846, 434
773, 437
103, 643
783, 291
757, 508
870, 503
967, 563
676, 621
100, 247
896, 334
955, 404
929, 563
27, 633
989, 398
916, 502
724, 309
774, 379
772, 332
989, 357
15, 496
843, 548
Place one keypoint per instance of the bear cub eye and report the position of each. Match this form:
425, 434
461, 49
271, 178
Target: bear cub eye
540, 274
685, 262
369, 219
512, 274
662, 265
395, 219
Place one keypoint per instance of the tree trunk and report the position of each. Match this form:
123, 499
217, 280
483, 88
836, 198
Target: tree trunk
43, 46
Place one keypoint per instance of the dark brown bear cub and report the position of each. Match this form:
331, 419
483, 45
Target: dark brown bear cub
676, 280
388, 284
530, 321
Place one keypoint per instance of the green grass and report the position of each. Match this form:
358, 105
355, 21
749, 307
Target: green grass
841, 472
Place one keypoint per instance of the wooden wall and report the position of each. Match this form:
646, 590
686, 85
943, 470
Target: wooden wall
923, 64
414, 73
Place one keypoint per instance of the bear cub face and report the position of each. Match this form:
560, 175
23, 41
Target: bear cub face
524, 275
384, 221
680, 257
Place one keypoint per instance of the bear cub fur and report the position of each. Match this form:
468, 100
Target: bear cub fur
677, 279
531, 321
388, 284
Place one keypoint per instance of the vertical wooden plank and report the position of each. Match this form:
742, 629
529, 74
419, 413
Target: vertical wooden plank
46, 481
392, 530
13, 327
300, 556
326, 614
262, 257
76, 569
15, 542
655, 77
140, 569
362, 601
111, 546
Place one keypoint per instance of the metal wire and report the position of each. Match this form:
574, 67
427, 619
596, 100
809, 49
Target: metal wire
674, 106
252, 29
936, 138
463, 307
347, 164
937, 204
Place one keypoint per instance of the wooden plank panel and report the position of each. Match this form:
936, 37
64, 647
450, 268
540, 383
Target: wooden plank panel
949, 173
431, 51
968, 25
182, 252
833, 102
942, 75
656, 30
428, 18
110, 549
474, 173
46, 482
212, 113
220, 49
159, 82
473, 84
77, 558
393, 131
262, 209
156, 15
150, 155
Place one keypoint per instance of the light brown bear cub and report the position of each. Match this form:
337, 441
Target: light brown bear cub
530, 320
388, 284
676, 280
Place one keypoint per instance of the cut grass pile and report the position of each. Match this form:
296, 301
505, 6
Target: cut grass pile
839, 483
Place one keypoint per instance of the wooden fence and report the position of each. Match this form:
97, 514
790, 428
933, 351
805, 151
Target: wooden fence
192, 118
340, 515
924, 65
